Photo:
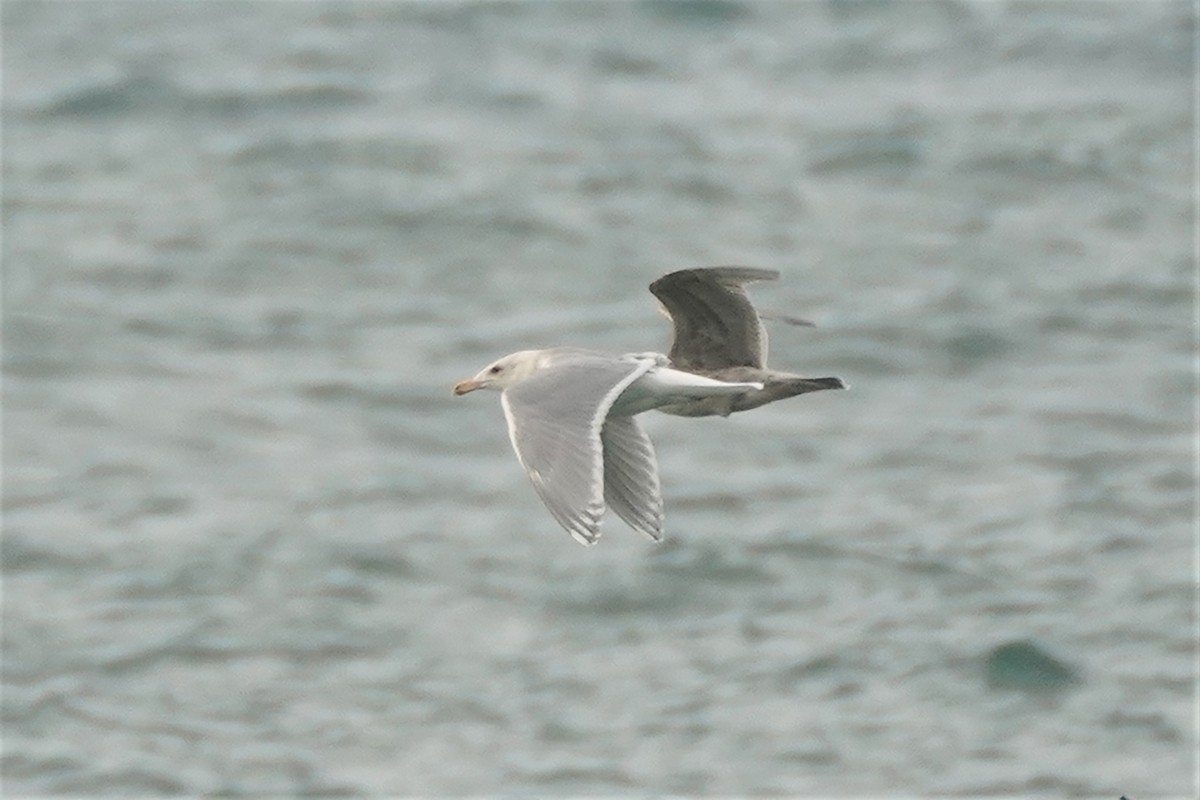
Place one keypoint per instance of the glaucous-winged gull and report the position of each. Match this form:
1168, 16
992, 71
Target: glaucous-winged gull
570, 411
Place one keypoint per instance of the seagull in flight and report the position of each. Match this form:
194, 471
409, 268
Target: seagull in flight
571, 412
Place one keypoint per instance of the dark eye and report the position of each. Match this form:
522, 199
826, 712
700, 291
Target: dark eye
494, 369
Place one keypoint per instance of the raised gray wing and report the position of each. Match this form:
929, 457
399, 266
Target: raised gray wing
631, 485
716, 325
554, 420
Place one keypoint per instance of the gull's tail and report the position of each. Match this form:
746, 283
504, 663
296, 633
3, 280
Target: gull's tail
794, 386
781, 388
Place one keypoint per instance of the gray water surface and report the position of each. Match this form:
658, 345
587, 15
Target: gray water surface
252, 545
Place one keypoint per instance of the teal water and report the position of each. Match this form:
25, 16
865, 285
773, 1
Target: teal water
252, 545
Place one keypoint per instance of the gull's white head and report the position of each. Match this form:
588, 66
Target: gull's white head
504, 372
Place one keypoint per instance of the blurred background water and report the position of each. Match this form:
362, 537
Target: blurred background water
252, 546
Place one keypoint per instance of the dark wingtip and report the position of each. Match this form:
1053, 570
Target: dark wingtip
788, 319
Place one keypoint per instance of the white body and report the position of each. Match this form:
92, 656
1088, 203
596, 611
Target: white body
571, 420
